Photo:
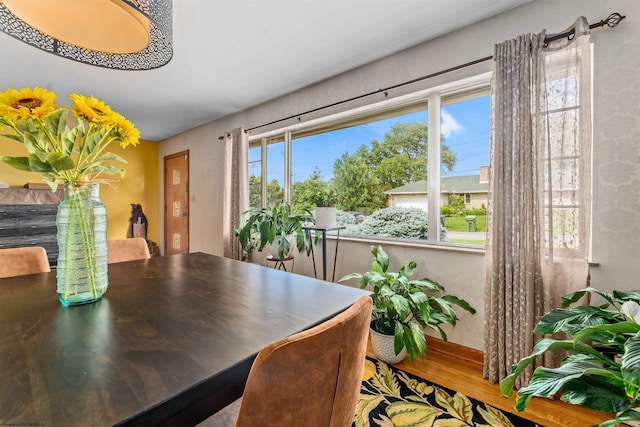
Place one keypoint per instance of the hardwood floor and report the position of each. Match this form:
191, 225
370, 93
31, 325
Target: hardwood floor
460, 368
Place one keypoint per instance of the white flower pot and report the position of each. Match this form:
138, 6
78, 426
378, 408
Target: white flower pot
326, 216
273, 248
383, 347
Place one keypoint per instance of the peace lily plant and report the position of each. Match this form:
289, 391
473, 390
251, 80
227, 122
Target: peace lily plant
602, 369
69, 145
403, 307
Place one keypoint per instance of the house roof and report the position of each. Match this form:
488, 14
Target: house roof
448, 184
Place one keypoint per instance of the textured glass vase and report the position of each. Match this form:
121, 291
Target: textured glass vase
82, 245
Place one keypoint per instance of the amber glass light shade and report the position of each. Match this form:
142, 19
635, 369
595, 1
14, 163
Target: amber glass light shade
123, 34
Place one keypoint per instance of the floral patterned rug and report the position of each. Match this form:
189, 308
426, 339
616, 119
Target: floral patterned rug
393, 398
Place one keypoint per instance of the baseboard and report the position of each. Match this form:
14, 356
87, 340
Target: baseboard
468, 354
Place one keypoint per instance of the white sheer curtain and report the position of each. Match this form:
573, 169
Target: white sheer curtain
236, 189
540, 183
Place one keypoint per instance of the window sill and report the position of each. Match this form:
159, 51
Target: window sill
453, 247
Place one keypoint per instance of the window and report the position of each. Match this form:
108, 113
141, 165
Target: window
466, 129
255, 176
377, 163
566, 169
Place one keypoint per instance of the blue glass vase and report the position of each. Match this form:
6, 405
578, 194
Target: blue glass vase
82, 245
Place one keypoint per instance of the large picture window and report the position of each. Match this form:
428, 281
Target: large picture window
374, 167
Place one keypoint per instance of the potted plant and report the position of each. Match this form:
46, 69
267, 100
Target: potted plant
401, 308
280, 226
325, 200
602, 370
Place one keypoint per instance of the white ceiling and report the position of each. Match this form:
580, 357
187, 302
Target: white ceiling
232, 54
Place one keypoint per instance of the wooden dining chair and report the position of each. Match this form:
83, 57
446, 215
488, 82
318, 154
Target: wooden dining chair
23, 261
310, 379
121, 250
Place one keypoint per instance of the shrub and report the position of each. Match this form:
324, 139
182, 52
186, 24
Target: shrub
401, 223
477, 211
456, 202
344, 218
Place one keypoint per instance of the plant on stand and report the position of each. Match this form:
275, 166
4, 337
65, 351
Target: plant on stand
274, 226
325, 200
69, 145
401, 308
602, 369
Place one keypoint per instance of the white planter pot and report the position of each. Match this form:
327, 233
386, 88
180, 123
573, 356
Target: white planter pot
273, 248
326, 216
383, 347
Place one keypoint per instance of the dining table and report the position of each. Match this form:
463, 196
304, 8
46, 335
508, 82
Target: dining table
170, 344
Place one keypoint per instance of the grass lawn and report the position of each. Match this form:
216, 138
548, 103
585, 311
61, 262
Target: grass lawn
459, 223
469, 241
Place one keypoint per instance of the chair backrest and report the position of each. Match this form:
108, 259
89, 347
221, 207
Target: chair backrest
22, 261
312, 378
121, 250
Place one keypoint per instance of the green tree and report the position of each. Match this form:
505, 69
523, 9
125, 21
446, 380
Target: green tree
355, 183
275, 193
255, 192
456, 203
304, 194
401, 157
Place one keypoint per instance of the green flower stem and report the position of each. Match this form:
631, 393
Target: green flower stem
79, 219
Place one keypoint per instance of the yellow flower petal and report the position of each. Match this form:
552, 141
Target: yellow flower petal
126, 132
91, 108
26, 103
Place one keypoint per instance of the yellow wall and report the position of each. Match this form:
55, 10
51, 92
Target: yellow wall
140, 185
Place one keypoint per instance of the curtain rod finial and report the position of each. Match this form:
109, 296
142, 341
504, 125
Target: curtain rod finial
613, 20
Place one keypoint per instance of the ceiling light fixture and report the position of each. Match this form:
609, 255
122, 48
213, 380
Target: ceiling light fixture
120, 34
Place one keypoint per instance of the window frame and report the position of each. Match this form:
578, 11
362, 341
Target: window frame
434, 98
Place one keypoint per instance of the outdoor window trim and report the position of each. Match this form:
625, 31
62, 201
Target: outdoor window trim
430, 98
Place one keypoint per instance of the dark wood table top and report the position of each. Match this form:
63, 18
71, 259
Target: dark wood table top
171, 342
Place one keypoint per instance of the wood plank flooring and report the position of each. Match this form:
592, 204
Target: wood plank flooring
460, 368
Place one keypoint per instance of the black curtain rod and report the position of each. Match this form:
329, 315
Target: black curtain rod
611, 21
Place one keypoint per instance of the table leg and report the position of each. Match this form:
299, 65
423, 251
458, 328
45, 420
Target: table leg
335, 257
324, 255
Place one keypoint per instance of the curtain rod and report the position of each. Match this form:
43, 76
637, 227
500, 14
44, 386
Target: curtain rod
611, 21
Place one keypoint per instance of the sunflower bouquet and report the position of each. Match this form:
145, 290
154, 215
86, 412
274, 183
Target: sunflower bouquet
65, 144
69, 145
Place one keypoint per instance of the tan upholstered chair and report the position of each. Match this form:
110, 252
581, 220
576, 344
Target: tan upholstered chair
121, 250
22, 261
309, 379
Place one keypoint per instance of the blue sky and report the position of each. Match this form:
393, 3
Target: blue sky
465, 126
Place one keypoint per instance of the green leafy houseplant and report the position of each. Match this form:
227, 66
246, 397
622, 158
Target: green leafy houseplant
401, 307
260, 227
326, 196
602, 370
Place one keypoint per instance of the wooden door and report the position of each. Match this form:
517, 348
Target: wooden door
176, 203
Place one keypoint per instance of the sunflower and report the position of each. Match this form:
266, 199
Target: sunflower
36, 103
126, 132
65, 143
91, 108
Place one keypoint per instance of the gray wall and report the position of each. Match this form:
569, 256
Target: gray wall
616, 141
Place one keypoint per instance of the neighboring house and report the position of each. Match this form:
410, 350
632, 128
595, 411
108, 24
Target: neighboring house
474, 189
